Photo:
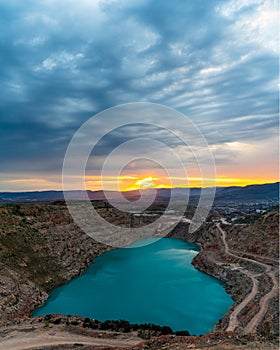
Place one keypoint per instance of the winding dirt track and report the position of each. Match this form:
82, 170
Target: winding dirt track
255, 256
252, 325
233, 321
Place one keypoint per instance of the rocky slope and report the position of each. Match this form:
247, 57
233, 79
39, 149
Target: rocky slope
260, 238
246, 257
40, 249
56, 332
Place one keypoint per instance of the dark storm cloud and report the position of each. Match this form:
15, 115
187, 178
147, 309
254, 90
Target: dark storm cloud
63, 61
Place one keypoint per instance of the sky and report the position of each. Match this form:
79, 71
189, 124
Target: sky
61, 62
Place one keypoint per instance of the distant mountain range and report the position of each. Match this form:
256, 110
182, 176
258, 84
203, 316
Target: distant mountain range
251, 193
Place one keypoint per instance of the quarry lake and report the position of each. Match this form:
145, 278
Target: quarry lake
155, 283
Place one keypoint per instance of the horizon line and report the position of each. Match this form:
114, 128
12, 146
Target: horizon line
133, 190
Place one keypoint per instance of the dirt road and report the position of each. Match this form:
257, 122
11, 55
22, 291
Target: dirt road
252, 325
18, 340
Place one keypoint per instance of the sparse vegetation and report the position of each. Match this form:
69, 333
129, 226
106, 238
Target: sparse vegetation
41, 248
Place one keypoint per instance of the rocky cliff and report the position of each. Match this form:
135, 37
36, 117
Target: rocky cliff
40, 249
246, 257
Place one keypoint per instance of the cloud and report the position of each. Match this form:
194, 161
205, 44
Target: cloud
63, 61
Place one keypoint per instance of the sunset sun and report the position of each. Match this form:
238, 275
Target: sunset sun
140, 183
146, 182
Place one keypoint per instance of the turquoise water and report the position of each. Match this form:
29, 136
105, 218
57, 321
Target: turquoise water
155, 283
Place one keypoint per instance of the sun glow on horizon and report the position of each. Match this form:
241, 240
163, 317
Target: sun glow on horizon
132, 182
147, 182
126, 182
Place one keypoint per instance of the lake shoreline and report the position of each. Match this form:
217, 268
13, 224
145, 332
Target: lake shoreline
163, 264
238, 270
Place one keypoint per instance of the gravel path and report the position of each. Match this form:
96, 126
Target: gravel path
17, 340
252, 325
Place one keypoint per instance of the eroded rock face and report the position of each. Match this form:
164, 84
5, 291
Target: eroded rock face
19, 296
260, 238
247, 243
40, 249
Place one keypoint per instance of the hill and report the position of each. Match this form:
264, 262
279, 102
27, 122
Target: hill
250, 193
41, 248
